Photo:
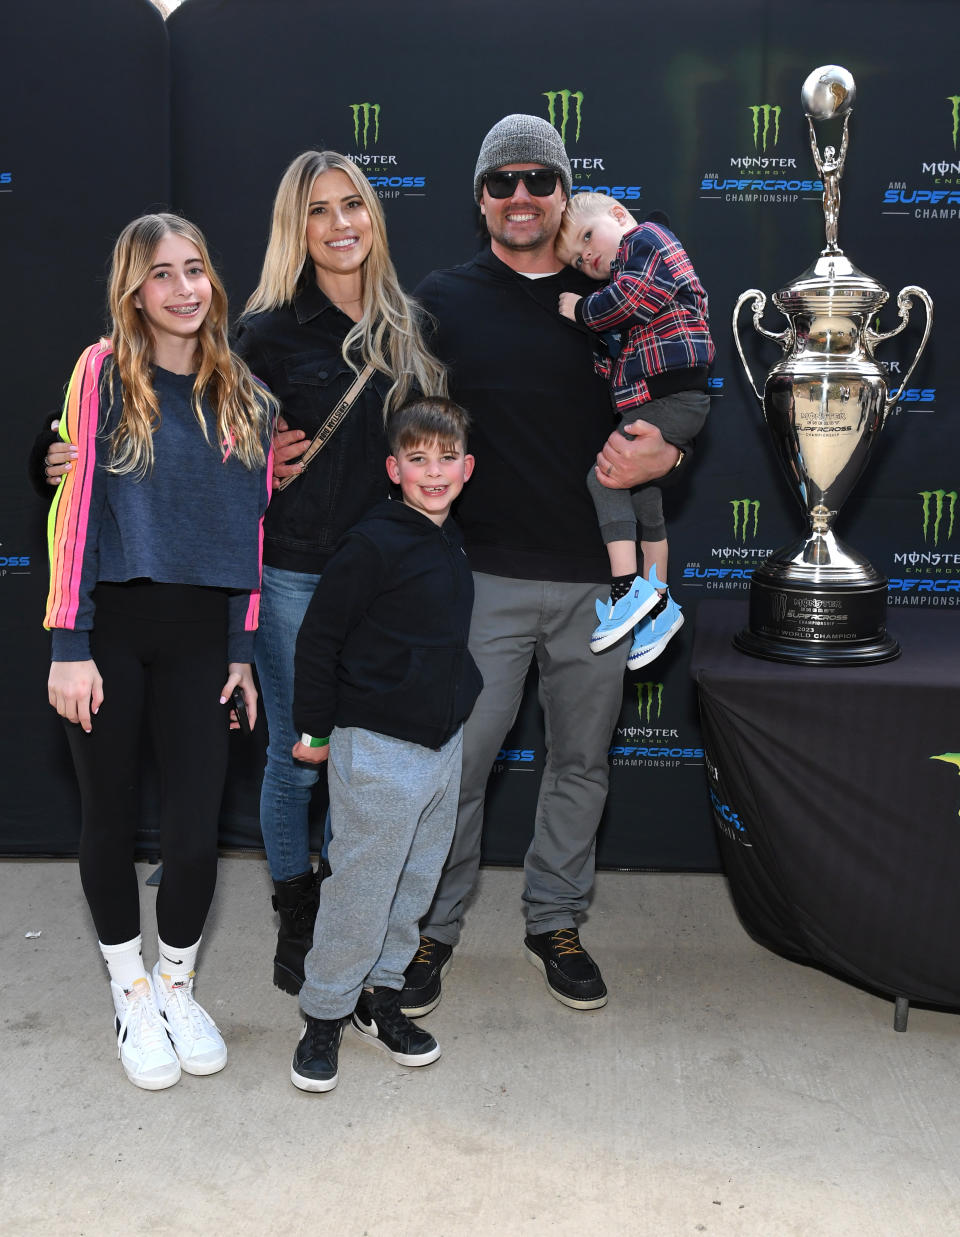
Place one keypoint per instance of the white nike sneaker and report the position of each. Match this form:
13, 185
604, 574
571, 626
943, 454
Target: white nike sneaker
198, 1043
143, 1046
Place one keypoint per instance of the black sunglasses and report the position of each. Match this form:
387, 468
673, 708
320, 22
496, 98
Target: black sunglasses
540, 182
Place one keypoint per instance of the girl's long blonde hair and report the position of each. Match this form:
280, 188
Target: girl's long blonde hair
388, 335
242, 408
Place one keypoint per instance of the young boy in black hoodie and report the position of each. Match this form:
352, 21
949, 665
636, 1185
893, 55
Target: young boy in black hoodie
384, 682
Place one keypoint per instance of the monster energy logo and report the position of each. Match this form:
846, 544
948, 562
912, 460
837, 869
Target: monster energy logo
362, 113
649, 696
566, 97
765, 112
954, 101
936, 504
743, 509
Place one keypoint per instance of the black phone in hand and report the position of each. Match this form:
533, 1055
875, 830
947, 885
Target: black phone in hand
239, 706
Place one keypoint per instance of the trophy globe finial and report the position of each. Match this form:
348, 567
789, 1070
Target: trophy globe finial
828, 93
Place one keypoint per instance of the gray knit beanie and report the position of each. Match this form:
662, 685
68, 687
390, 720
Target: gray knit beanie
521, 139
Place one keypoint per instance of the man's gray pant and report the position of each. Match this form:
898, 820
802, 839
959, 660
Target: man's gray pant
392, 809
581, 694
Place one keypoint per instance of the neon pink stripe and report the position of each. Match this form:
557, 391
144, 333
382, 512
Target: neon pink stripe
81, 421
252, 621
62, 547
90, 406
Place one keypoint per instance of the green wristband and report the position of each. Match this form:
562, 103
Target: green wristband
309, 740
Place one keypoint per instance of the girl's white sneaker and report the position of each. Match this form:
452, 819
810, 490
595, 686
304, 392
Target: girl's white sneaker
144, 1048
198, 1043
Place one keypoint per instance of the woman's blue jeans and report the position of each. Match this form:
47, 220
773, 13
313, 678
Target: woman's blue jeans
287, 786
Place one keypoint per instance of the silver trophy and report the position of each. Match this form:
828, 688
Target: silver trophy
825, 401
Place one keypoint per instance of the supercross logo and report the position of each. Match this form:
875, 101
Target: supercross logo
593, 172
561, 100
939, 197
649, 700
730, 566
746, 513
929, 575
382, 169
766, 117
766, 173
937, 505
363, 114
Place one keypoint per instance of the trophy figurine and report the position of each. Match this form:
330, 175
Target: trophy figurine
825, 401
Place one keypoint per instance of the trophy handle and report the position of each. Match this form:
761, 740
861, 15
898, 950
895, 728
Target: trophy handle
784, 339
905, 304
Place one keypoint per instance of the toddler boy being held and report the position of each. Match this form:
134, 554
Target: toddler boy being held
383, 684
653, 316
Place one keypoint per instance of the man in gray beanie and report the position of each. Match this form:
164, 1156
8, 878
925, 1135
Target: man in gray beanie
521, 139
539, 413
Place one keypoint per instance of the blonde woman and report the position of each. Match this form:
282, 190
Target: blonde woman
328, 303
154, 591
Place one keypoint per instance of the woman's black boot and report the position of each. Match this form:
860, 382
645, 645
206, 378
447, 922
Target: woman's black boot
296, 901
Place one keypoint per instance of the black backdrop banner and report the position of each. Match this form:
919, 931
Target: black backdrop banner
701, 120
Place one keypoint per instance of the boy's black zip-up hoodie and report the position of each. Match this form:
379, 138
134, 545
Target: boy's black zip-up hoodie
383, 644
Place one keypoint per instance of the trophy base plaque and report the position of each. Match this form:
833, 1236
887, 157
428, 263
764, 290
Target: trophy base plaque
819, 623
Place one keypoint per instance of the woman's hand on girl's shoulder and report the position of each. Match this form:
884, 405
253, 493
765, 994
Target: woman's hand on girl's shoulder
75, 689
288, 446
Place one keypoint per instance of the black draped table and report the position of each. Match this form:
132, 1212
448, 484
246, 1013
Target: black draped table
836, 795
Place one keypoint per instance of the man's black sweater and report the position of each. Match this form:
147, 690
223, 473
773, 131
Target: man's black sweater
540, 415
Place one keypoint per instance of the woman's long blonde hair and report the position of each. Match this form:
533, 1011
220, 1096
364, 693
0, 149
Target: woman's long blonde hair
388, 335
242, 408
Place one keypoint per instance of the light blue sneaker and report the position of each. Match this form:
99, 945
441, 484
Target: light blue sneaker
654, 634
625, 613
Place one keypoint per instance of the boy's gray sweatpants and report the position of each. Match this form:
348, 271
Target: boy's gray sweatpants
393, 805
679, 418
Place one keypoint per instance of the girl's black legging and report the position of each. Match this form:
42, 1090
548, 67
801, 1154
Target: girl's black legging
162, 652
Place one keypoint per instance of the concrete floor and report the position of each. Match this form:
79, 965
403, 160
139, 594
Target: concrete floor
723, 1090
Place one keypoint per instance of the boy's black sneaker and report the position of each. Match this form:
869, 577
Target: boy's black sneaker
421, 985
379, 1020
572, 975
315, 1060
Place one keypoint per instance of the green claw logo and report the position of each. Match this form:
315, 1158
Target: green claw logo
954, 101
949, 758
362, 115
566, 97
765, 112
649, 697
746, 512
938, 503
